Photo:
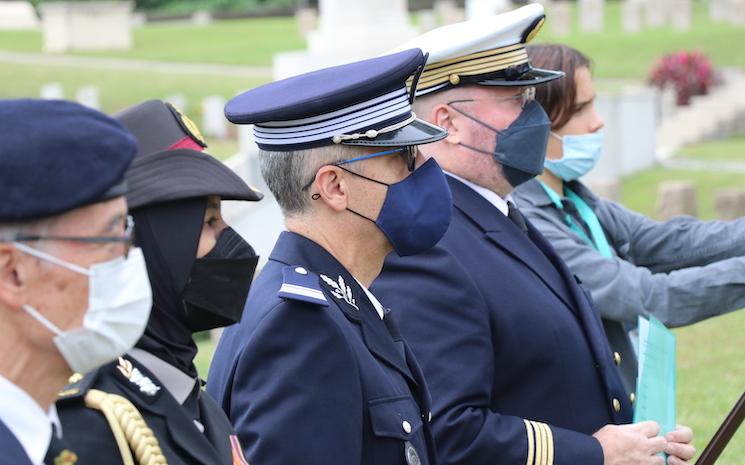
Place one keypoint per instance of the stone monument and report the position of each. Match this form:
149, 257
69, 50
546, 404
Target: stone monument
104, 25
383, 25
18, 15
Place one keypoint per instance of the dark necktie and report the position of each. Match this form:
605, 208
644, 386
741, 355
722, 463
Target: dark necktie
514, 214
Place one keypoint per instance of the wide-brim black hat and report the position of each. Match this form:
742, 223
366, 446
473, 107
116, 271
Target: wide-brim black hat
170, 163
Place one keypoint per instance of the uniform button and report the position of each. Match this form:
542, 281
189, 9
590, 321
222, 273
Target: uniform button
617, 358
406, 426
429, 418
301, 270
74, 378
616, 405
632, 398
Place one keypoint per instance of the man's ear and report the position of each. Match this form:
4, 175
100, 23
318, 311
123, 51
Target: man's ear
332, 188
11, 279
444, 116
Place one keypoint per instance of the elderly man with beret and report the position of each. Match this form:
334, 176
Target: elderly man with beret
317, 373
73, 296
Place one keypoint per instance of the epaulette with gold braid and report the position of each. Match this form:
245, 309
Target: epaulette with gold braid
129, 428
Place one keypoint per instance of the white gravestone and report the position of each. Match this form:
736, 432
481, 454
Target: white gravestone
449, 12
681, 15
482, 8
656, 12
88, 96
561, 18
349, 30
214, 123
105, 25
631, 16
591, 15
18, 15
737, 12
52, 91
427, 20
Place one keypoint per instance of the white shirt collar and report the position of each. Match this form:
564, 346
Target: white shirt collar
490, 196
178, 383
26, 420
373, 300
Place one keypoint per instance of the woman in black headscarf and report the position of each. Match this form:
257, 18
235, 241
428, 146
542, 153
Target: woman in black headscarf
149, 408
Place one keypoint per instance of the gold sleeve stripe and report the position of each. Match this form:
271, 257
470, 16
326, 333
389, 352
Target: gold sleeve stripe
538, 443
544, 452
531, 442
549, 445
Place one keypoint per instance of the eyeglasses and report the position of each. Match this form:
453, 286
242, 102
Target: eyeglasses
407, 153
127, 239
526, 96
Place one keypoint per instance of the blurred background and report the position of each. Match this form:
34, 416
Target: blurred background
670, 76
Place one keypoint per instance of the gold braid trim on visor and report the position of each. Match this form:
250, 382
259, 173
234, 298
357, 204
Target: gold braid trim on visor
129, 428
540, 443
475, 64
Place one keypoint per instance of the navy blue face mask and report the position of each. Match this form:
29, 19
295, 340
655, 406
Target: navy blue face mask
417, 210
521, 147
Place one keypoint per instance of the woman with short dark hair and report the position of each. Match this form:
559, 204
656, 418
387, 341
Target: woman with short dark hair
680, 271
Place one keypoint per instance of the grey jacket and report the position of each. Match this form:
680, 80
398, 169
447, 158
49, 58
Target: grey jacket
681, 271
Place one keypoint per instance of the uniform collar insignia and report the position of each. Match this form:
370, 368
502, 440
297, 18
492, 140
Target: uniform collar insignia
66, 458
340, 290
135, 376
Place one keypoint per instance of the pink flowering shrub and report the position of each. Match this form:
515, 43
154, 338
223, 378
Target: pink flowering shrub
690, 73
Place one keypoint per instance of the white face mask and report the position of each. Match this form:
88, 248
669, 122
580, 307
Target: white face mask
119, 302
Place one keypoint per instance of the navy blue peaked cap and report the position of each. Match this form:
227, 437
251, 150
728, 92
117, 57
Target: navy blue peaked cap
361, 103
58, 155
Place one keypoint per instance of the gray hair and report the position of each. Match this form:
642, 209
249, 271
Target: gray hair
287, 173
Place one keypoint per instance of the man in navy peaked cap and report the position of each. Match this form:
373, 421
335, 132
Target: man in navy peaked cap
317, 372
63, 211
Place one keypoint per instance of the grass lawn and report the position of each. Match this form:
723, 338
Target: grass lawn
253, 41
117, 88
730, 150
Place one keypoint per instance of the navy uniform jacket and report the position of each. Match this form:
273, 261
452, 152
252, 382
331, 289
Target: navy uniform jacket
87, 431
313, 376
11, 451
513, 351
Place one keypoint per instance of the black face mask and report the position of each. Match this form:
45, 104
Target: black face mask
218, 285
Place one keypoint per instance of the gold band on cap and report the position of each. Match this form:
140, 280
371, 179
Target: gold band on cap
476, 64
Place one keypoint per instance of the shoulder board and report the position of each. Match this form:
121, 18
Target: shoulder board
78, 385
301, 284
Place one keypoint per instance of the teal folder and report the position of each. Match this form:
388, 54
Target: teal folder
655, 385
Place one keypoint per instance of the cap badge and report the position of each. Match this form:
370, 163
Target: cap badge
135, 376
66, 457
340, 290
188, 125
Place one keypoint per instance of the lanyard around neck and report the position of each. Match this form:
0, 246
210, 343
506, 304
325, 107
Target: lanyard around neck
598, 239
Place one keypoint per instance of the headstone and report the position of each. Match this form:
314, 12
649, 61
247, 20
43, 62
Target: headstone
737, 12
729, 203
427, 20
631, 16
561, 18
607, 188
18, 15
719, 9
52, 91
88, 96
449, 12
96, 25
201, 18
179, 101
681, 15
656, 12
591, 15
668, 102
483, 8
214, 123
675, 198
307, 20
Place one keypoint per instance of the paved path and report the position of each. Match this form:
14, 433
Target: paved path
701, 165
259, 72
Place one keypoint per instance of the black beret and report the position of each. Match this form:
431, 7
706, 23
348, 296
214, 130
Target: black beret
58, 155
171, 163
360, 103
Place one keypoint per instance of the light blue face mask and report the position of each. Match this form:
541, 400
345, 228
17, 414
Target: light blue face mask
581, 153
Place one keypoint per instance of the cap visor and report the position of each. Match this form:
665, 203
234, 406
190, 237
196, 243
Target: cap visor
419, 132
181, 174
531, 78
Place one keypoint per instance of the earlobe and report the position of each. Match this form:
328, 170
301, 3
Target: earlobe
11, 283
446, 118
332, 188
